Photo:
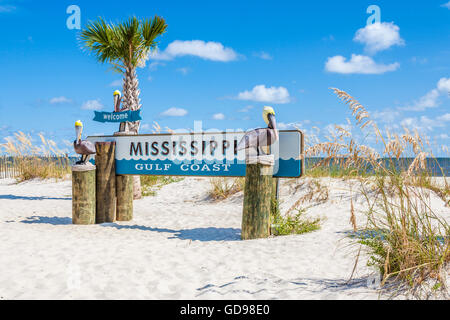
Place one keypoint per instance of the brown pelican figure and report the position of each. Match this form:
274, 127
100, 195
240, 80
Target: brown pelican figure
82, 147
117, 100
263, 137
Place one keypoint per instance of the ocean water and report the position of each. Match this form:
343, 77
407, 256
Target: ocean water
437, 166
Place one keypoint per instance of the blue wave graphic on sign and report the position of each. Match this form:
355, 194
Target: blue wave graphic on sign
283, 168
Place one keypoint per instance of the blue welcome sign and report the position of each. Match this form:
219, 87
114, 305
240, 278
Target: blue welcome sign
124, 116
200, 154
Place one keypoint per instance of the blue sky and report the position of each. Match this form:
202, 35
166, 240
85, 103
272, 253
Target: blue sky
221, 62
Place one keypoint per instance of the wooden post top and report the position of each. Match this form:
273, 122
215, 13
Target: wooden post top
83, 167
125, 133
106, 143
266, 160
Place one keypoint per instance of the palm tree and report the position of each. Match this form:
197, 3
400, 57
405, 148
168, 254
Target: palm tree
126, 47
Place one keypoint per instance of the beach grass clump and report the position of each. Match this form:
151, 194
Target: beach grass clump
413, 242
223, 188
147, 185
315, 193
151, 184
442, 190
291, 224
31, 161
413, 245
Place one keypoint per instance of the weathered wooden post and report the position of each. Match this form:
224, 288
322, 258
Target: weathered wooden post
257, 197
106, 182
124, 193
83, 194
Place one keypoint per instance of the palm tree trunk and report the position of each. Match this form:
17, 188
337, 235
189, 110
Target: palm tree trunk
132, 101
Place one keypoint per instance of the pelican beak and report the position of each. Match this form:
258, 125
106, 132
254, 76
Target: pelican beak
117, 99
272, 121
116, 105
79, 131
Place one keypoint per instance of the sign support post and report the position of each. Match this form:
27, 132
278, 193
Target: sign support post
125, 193
257, 198
106, 182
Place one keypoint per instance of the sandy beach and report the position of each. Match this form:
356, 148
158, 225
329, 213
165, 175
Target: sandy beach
180, 245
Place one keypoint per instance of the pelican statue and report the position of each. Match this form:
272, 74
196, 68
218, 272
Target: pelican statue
263, 137
82, 147
117, 100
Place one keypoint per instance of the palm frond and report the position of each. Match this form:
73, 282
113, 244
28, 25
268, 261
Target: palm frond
98, 37
151, 29
125, 45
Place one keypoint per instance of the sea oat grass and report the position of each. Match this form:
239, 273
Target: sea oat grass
315, 193
30, 161
413, 241
223, 188
151, 184
409, 241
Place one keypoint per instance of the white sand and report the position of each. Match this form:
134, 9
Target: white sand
181, 245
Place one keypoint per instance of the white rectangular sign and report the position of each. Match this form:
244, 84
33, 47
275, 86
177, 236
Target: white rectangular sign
200, 154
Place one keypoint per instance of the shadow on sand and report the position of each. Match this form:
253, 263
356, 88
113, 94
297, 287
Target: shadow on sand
13, 197
197, 234
55, 221
253, 285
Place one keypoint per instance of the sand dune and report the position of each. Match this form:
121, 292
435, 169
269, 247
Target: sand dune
181, 245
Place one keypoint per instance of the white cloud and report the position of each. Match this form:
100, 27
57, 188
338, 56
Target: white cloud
445, 117
418, 60
446, 5
155, 64
59, 100
92, 105
116, 83
328, 38
444, 85
174, 112
293, 125
421, 124
183, 71
379, 36
387, 115
425, 123
358, 64
7, 8
246, 109
262, 94
431, 99
214, 51
219, 116
263, 55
